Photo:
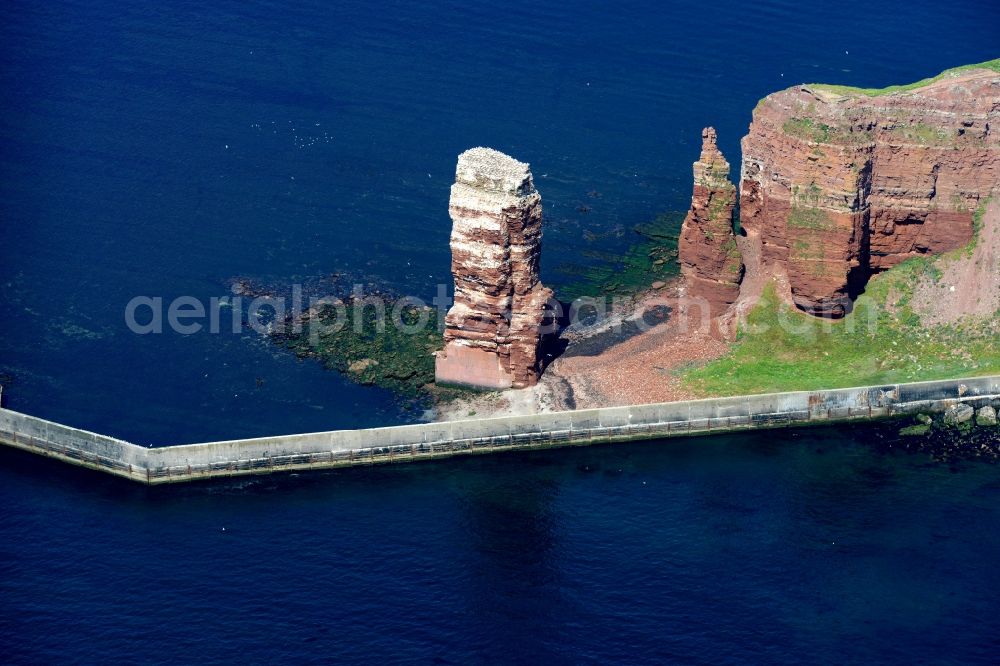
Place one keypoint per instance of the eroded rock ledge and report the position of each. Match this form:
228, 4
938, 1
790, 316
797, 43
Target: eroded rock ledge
492, 332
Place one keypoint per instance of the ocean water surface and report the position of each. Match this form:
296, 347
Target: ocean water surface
164, 148
818, 546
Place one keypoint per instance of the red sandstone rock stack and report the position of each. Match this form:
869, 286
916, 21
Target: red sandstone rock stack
492, 332
710, 260
840, 183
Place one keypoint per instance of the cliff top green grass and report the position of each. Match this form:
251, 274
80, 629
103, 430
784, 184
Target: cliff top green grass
993, 65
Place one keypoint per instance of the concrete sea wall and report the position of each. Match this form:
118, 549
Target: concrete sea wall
79, 447
342, 448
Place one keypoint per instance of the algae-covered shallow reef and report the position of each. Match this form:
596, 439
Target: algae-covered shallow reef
372, 341
650, 258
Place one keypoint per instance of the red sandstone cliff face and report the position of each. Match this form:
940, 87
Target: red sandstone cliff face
492, 331
710, 260
840, 184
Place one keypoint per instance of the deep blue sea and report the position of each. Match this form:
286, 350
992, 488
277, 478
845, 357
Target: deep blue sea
165, 148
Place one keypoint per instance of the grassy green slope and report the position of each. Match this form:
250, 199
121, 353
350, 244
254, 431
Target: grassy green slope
882, 341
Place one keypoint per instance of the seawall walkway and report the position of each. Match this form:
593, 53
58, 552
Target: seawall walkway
344, 448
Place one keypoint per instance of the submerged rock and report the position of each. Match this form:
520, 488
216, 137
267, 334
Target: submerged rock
361, 365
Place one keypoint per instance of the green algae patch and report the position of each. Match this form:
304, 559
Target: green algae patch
652, 258
917, 430
372, 342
